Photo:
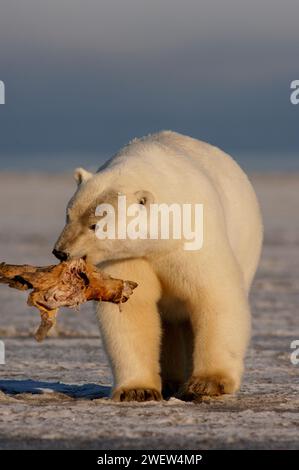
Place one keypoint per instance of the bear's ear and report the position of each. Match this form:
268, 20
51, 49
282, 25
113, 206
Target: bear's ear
81, 175
144, 197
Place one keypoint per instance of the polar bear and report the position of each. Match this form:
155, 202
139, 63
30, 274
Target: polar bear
186, 328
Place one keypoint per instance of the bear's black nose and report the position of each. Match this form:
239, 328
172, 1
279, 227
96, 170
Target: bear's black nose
61, 255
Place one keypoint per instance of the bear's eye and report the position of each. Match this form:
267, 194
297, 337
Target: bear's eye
92, 227
142, 201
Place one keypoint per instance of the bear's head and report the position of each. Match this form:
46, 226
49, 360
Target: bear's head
95, 226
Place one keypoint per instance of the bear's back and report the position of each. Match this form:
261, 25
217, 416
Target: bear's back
182, 169
237, 196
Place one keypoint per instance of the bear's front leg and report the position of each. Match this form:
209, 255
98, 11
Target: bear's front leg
132, 336
221, 326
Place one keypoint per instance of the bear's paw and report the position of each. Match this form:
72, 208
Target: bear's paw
136, 394
212, 385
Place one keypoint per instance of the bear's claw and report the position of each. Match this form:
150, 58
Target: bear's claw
137, 394
203, 386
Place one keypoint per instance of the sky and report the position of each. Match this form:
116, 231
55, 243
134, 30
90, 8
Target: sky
84, 77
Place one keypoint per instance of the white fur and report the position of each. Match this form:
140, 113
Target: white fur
195, 302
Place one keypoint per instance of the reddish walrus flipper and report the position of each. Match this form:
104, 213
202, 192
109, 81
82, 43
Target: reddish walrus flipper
67, 284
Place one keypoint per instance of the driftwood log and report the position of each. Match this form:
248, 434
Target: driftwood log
67, 284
